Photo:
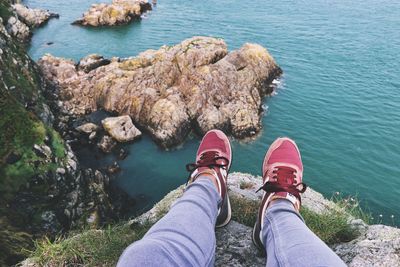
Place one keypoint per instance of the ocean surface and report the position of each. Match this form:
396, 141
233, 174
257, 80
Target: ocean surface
339, 97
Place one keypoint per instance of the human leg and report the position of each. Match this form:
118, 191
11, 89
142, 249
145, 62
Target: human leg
289, 242
186, 235
280, 230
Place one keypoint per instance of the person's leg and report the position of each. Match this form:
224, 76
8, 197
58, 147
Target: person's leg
280, 230
289, 242
185, 236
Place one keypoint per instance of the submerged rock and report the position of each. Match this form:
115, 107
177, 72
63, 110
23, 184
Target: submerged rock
116, 13
106, 144
121, 128
196, 84
33, 17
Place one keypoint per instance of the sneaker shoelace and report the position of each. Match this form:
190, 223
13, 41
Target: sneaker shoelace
285, 178
207, 159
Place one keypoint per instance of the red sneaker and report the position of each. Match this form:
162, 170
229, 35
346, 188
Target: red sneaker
282, 172
214, 158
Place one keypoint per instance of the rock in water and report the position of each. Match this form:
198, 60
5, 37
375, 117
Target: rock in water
116, 13
106, 144
87, 128
121, 128
196, 84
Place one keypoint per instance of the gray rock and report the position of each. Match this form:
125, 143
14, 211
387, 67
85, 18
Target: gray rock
121, 128
379, 246
33, 17
235, 248
42, 151
17, 28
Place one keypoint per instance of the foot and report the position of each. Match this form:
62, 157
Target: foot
213, 160
282, 172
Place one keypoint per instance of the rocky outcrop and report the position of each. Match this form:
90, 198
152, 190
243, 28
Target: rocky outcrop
18, 29
33, 17
196, 84
377, 245
21, 20
121, 128
116, 13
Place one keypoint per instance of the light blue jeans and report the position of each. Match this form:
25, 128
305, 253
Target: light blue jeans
185, 236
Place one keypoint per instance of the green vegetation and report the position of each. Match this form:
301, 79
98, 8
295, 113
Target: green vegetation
5, 11
89, 248
331, 226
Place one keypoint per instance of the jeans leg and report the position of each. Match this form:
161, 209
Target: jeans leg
289, 242
185, 236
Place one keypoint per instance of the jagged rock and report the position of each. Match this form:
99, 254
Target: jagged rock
121, 128
87, 128
114, 168
106, 144
33, 17
379, 246
197, 85
92, 62
235, 247
17, 28
116, 13
42, 151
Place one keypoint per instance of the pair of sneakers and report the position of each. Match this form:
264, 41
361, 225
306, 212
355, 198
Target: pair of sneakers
282, 173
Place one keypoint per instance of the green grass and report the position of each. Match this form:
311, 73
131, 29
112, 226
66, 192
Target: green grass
331, 226
89, 248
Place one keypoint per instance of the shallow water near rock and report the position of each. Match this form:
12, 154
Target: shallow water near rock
339, 96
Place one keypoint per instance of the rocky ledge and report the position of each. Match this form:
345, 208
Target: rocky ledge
116, 13
196, 84
24, 19
376, 245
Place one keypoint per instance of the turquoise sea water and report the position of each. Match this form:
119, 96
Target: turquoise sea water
339, 97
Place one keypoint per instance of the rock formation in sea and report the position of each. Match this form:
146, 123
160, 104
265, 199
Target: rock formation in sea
195, 85
117, 13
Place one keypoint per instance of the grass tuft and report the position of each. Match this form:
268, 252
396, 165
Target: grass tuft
89, 248
331, 226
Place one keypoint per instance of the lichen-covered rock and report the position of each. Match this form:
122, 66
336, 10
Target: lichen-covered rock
91, 62
33, 17
121, 128
196, 84
116, 13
